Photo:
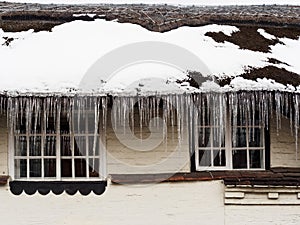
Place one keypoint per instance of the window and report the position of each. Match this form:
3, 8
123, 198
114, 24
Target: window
229, 145
53, 151
58, 150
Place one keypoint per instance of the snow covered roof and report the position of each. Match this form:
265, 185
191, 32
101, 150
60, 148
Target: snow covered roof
56, 62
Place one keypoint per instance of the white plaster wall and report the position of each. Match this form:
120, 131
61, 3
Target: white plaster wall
170, 156
262, 215
160, 204
283, 147
3, 145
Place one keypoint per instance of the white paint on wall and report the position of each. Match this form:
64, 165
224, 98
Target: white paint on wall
283, 147
160, 204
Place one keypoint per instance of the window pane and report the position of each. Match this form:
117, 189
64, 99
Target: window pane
204, 137
94, 167
20, 168
21, 127
64, 125
94, 146
79, 146
50, 167
91, 124
79, 123
241, 138
35, 146
239, 159
65, 146
21, 146
205, 157
50, 126
36, 127
66, 167
218, 137
35, 168
50, 146
219, 158
256, 158
80, 168
255, 139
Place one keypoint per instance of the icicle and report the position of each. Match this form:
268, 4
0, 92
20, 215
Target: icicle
296, 120
278, 111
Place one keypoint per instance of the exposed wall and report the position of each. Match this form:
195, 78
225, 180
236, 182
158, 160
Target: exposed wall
126, 155
283, 148
161, 204
3, 145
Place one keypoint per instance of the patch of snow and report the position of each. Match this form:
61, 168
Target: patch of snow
240, 83
266, 35
85, 14
288, 53
170, 2
56, 61
226, 29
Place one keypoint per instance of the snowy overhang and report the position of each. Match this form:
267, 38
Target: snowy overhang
48, 63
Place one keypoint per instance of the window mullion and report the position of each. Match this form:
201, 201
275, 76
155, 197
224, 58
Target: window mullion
228, 141
58, 155
87, 145
27, 155
72, 137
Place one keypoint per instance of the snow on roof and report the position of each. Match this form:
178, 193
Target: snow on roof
48, 62
171, 2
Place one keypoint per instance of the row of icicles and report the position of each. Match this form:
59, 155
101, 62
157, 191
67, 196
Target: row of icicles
176, 112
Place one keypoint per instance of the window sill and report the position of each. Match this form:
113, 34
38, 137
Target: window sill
57, 187
273, 177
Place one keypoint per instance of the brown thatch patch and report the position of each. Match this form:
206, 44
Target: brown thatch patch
276, 61
246, 38
280, 75
284, 32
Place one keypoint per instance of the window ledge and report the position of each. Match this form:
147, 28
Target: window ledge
273, 177
3, 180
58, 187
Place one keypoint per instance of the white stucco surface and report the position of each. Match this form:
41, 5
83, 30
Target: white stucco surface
165, 203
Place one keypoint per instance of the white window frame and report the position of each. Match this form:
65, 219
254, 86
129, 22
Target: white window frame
229, 148
102, 155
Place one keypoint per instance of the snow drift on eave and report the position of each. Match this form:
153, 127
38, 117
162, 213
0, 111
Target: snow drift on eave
53, 63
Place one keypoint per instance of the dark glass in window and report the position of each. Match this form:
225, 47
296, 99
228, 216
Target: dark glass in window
205, 157
239, 159
218, 137
35, 168
204, 137
21, 168
80, 168
35, 145
65, 146
255, 158
94, 146
50, 126
255, 139
50, 167
241, 137
50, 146
21, 146
66, 167
94, 167
219, 158
64, 125
80, 146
